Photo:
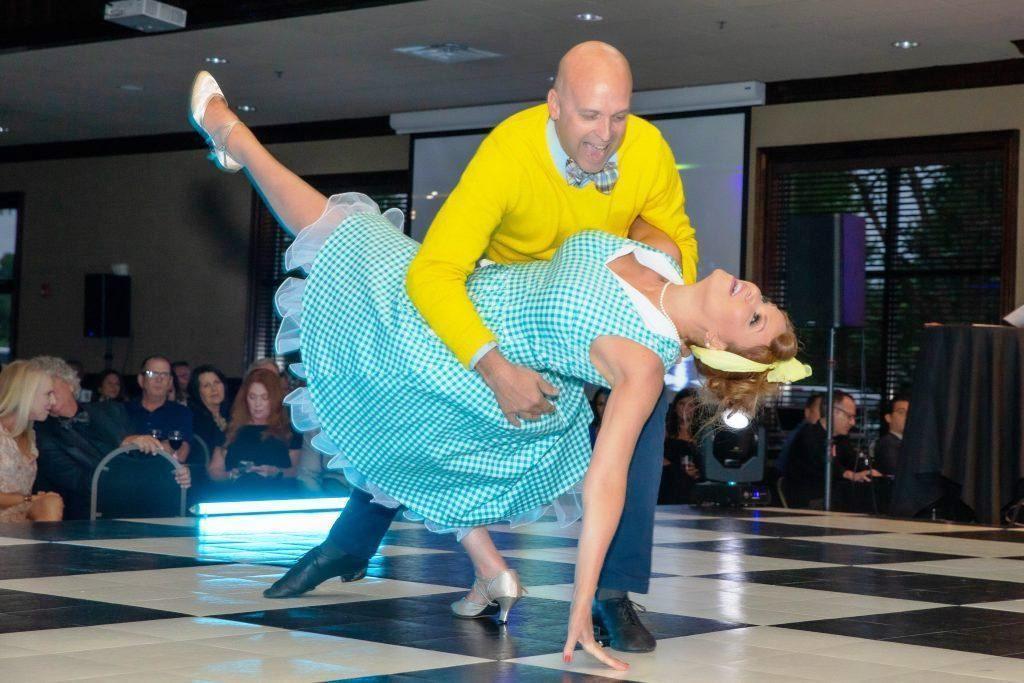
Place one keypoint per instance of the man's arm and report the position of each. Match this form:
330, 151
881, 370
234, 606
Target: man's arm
456, 240
436, 281
665, 209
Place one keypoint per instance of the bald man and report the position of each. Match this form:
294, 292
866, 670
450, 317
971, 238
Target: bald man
580, 161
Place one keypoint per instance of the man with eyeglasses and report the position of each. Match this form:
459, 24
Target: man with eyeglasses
805, 469
152, 412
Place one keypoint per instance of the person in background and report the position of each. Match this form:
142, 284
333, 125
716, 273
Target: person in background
887, 448
597, 404
182, 374
812, 413
77, 436
108, 387
152, 413
207, 391
679, 470
26, 396
805, 466
260, 455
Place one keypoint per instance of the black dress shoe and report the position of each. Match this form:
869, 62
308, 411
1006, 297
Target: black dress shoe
617, 623
314, 568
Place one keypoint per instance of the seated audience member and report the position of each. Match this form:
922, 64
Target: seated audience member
260, 455
805, 466
812, 414
887, 448
26, 395
597, 404
152, 413
679, 471
207, 390
108, 387
182, 374
76, 436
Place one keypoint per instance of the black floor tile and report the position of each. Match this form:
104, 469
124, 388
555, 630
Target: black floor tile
57, 559
20, 611
810, 551
537, 626
454, 569
492, 672
758, 527
965, 629
83, 530
904, 585
984, 534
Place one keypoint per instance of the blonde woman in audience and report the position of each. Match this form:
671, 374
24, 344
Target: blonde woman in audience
26, 396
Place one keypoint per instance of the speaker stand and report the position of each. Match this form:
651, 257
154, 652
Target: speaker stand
828, 415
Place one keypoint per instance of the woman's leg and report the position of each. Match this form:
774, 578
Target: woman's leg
295, 203
487, 561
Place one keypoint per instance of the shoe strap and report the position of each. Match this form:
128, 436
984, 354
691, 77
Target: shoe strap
219, 137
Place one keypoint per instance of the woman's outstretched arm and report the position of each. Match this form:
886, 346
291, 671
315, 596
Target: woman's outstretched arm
636, 376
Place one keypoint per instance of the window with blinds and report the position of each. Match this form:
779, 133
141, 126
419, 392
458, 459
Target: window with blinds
940, 220
269, 242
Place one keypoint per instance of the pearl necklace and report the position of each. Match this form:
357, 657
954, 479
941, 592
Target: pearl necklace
661, 305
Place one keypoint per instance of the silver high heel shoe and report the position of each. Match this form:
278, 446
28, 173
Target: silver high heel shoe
204, 89
502, 592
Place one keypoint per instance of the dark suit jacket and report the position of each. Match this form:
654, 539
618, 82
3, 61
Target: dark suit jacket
70, 449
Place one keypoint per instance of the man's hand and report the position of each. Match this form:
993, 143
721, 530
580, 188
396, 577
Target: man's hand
144, 443
521, 392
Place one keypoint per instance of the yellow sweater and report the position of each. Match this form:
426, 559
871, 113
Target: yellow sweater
513, 205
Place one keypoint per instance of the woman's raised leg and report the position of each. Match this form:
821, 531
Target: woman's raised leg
294, 201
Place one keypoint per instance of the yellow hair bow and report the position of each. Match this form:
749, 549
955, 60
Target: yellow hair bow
785, 371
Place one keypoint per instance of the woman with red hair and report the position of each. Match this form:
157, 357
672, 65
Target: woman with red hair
260, 449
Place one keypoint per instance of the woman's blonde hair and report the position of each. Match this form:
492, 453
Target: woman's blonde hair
19, 383
745, 391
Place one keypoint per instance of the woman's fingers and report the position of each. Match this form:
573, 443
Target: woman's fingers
602, 656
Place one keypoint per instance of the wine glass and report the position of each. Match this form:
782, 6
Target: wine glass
176, 439
157, 434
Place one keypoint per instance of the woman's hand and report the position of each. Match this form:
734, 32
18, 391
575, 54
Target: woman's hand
266, 470
581, 630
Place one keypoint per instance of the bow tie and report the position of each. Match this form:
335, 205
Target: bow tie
604, 180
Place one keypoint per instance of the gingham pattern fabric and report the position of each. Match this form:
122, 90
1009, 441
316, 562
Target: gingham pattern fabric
604, 180
408, 420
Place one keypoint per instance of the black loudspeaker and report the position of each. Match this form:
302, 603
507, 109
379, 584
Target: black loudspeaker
825, 262
108, 305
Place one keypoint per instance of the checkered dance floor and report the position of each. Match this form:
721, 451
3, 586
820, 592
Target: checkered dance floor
766, 595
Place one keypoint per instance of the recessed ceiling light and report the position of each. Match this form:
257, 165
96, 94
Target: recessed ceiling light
216, 60
4, 129
589, 16
132, 87
247, 108
906, 44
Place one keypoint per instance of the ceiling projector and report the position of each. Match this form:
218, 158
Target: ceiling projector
148, 16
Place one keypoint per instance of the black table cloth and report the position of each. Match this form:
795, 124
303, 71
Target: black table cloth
965, 421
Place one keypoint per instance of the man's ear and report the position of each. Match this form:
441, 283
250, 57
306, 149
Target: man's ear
139, 378
554, 108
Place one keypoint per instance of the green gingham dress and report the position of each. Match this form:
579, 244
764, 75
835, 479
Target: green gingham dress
402, 417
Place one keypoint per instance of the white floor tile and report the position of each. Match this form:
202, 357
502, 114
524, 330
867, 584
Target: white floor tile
929, 544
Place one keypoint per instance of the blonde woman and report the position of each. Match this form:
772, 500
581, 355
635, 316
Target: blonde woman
26, 396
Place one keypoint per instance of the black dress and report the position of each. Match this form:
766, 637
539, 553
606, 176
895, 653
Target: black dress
250, 446
675, 483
